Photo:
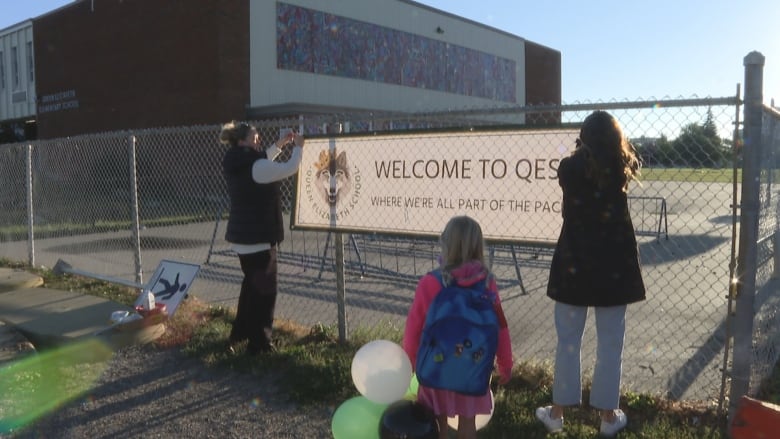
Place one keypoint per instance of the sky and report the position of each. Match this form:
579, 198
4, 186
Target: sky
615, 50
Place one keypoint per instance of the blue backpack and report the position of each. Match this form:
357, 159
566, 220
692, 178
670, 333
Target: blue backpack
459, 339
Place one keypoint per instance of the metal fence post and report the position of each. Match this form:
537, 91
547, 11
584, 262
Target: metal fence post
136, 227
341, 288
30, 214
748, 236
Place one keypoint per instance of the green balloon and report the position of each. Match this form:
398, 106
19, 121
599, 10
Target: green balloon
357, 418
414, 385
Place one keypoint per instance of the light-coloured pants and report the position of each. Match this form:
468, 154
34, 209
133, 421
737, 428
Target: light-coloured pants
610, 332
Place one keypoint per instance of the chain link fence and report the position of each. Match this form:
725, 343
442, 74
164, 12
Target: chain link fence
82, 212
766, 324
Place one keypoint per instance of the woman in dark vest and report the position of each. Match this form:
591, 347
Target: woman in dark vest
255, 226
595, 264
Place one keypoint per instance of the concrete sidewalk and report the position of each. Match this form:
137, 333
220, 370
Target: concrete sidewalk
45, 317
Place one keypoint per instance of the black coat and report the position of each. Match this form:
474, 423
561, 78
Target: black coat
255, 209
596, 259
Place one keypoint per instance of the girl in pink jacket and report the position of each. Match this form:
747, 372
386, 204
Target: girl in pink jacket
462, 260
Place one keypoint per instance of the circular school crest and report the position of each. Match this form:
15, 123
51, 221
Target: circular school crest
331, 186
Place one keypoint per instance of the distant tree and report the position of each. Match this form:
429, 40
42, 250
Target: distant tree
732, 152
696, 149
709, 128
649, 150
699, 146
668, 156
645, 149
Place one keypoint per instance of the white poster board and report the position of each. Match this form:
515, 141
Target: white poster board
170, 283
414, 183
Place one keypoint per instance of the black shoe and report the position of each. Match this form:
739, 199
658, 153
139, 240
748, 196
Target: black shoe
233, 344
234, 340
253, 351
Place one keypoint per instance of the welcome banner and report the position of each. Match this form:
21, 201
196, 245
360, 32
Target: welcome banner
414, 183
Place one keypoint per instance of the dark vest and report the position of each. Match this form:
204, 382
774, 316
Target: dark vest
255, 209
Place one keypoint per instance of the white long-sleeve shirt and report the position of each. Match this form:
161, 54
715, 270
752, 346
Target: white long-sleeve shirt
269, 170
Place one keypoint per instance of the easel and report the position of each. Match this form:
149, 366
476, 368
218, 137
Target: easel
354, 246
491, 257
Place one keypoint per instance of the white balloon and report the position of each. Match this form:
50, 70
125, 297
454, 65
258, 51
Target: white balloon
480, 420
381, 371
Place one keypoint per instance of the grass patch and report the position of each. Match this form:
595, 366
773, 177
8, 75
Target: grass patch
314, 368
692, 175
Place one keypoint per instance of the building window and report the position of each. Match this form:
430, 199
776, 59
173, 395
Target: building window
30, 62
2, 71
15, 65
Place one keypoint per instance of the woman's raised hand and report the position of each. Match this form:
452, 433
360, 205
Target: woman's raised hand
298, 139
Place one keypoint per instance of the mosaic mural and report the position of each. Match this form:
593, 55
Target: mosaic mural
325, 44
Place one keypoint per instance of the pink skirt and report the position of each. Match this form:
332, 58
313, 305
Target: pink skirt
446, 402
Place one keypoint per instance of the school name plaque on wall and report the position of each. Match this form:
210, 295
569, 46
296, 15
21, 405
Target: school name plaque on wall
414, 183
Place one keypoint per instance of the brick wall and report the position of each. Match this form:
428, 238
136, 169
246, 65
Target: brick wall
542, 75
129, 64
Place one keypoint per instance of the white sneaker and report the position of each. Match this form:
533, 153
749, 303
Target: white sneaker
610, 429
552, 425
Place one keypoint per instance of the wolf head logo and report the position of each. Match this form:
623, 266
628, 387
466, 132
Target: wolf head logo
332, 178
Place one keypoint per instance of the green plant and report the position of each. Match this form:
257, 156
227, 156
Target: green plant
706, 175
641, 402
312, 366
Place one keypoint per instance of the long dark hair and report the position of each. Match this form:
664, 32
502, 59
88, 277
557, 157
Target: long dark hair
607, 150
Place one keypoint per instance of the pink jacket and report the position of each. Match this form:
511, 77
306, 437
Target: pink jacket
428, 287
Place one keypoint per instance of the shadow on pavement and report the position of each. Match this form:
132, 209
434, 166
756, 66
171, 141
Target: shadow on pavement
678, 247
681, 380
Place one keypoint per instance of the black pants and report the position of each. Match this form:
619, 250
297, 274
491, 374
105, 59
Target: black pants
256, 302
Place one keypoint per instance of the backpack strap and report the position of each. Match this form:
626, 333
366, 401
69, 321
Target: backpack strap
482, 286
437, 274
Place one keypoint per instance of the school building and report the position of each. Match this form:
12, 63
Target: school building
104, 65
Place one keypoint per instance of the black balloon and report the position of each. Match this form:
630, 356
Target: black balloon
406, 419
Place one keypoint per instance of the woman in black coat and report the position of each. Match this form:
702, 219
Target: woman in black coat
256, 225
595, 264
